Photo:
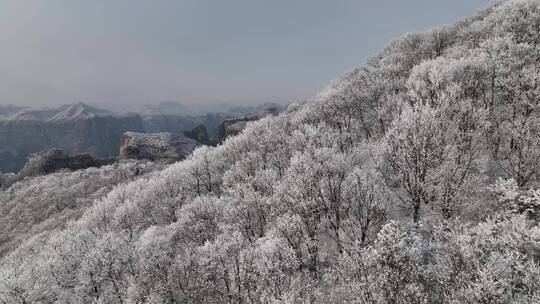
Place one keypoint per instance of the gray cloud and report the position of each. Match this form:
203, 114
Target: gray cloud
244, 51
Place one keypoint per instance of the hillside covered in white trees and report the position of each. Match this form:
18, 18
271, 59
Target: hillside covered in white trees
413, 178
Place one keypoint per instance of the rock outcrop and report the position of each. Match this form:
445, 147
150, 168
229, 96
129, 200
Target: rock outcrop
55, 160
6, 180
156, 146
199, 133
51, 161
231, 127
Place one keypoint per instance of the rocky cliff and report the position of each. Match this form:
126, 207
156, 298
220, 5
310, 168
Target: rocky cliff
55, 160
199, 133
51, 161
231, 127
156, 146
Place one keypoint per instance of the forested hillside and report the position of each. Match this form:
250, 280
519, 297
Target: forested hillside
42, 203
411, 179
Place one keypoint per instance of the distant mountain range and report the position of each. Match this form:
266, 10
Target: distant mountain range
63, 113
177, 108
84, 111
9, 111
80, 128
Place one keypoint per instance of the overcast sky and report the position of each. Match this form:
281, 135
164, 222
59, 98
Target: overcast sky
196, 51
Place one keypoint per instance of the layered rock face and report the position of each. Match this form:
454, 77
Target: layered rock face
156, 146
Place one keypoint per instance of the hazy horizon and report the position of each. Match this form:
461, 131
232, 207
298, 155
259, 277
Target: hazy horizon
129, 53
190, 108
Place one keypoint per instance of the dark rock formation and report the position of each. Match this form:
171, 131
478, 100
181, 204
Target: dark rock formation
231, 127
52, 161
156, 146
199, 134
55, 160
6, 180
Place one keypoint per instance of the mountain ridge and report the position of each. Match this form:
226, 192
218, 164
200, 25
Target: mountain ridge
80, 128
412, 179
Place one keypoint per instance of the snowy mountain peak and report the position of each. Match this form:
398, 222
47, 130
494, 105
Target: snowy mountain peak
78, 111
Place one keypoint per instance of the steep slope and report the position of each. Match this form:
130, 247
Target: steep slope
411, 179
44, 203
